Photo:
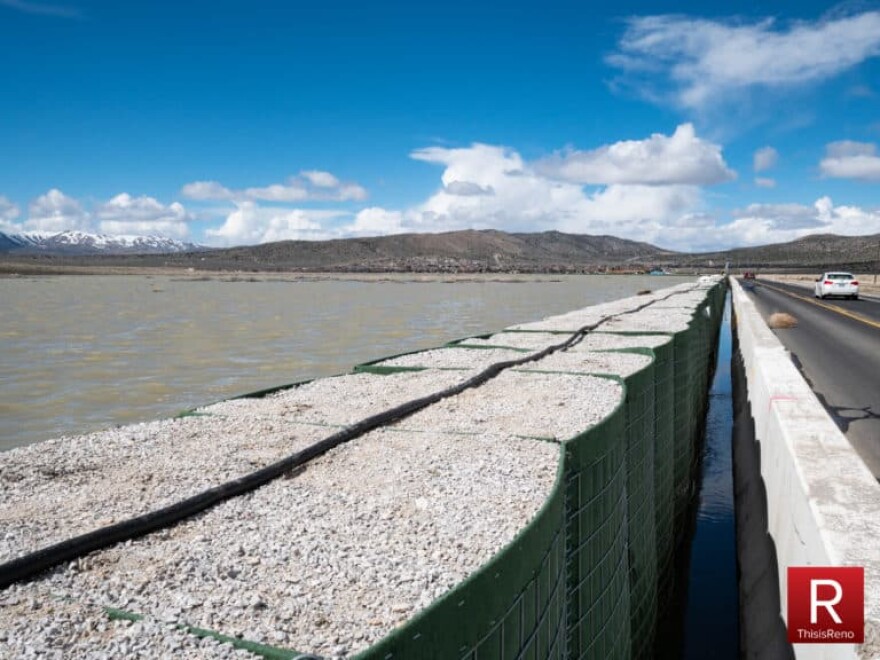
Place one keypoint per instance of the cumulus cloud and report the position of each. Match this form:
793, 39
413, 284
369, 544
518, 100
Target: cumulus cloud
206, 190
125, 214
851, 160
56, 212
681, 158
249, 223
758, 224
375, 221
705, 61
309, 185
765, 182
525, 198
320, 179
467, 188
764, 159
8, 213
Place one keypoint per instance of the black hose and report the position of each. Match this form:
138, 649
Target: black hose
31, 564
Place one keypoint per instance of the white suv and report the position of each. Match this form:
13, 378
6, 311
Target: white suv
837, 284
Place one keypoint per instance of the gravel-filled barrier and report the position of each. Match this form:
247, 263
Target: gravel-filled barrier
531, 515
94, 480
334, 559
53, 490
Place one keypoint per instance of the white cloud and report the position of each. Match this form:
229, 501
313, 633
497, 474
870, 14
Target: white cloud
759, 224
56, 212
673, 216
250, 223
125, 214
320, 179
309, 185
706, 61
206, 190
8, 213
765, 182
851, 160
467, 188
764, 159
681, 158
525, 199
375, 221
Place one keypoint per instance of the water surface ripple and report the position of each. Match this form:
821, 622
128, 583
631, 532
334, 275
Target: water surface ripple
82, 353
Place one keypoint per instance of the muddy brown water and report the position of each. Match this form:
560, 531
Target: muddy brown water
82, 353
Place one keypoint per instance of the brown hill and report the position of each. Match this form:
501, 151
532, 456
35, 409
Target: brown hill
473, 251
817, 252
459, 251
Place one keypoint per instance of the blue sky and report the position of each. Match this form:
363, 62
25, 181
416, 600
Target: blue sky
228, 122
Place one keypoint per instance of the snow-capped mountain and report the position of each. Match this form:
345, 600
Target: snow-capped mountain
78, 242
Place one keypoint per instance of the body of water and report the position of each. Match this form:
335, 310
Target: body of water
82, 353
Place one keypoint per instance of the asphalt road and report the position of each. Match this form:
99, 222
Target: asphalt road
836, 346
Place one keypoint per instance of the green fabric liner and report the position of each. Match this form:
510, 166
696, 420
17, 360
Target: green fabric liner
384, 371
263, 650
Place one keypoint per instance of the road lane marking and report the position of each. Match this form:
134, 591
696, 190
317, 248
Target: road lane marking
832, 308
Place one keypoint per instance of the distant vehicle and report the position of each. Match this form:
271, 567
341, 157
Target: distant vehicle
837, 284
748, 275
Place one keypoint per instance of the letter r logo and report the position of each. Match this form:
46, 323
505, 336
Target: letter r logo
826, 604
816, 603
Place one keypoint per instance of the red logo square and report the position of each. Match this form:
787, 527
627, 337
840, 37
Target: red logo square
826, 605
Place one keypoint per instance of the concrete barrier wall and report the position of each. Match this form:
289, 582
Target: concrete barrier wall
823, 504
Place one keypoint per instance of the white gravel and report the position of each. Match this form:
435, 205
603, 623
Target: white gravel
454, 358
575, 320
343, 400
33, 624
658, 320
618, 364
142, 466
553, 406
331, 560
94, 480
599, 341
531, 341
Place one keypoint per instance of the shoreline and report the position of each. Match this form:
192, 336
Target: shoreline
11, 271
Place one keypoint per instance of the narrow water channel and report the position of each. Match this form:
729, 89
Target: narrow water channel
703, 619
711, 623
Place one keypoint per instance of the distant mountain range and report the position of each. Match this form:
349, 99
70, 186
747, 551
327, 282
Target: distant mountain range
819, 251
458, 251
73, 243
466, 251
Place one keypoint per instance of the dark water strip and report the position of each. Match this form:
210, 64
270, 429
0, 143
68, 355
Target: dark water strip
711, 625
702, 617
